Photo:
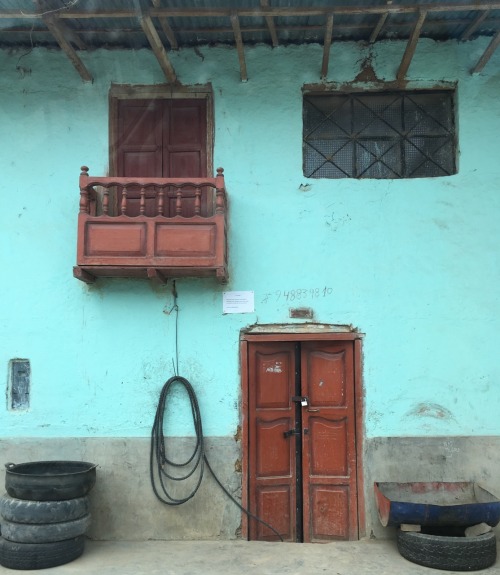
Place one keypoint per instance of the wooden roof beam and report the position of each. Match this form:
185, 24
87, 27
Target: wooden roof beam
169, 33
488, 53
378, 27
326, 46
157, 47
474, 25
174, 12
165, 26
54, 26
411, 46
270, 24
235, 23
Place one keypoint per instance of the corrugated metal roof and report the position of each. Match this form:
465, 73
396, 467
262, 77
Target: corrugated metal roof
74, 25
207, 22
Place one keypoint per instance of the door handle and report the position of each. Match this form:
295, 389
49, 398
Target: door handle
312, 410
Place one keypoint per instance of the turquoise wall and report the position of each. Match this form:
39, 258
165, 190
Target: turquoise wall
413, 264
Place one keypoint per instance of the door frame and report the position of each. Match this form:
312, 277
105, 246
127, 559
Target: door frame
162, 92
298, 336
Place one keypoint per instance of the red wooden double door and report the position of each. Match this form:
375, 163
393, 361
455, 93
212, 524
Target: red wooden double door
302, 468
161, 138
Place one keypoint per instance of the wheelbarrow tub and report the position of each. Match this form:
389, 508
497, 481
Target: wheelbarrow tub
436, 504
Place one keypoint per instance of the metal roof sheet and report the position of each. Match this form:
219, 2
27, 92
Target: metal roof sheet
74, 25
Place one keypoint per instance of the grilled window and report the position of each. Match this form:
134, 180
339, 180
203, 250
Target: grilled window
379, 135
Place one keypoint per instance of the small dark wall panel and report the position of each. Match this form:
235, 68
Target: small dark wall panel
20, 383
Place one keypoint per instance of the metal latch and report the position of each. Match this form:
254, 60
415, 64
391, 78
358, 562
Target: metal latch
291, 432
304, 401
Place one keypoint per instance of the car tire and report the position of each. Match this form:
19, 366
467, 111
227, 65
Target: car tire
44, 532
40, 555
25, 511
446, 552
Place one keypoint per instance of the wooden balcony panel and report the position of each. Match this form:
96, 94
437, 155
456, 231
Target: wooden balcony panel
166, 244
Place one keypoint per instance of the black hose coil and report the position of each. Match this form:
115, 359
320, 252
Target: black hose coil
159, 462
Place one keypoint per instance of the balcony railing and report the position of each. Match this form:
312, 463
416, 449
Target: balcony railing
151, 227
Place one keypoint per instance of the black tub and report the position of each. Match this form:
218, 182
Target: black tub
49, 480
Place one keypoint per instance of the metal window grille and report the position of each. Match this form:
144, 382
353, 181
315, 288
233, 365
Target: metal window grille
379, 135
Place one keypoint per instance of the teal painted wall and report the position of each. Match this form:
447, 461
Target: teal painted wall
413, 264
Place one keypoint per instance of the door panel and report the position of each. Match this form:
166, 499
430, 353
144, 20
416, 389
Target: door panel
271, 454
303, 483
329, 453
273, 507
332, 514
162, 138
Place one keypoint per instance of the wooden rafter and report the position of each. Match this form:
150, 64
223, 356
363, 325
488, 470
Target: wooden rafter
378, 27
158, 47
235, 23
270, 24
167, 29
411, 46
346, 10
326, 46
339, 26
57, 31
169, 33
488, 53
474, 25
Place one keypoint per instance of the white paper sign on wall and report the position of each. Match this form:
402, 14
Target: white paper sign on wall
238, 302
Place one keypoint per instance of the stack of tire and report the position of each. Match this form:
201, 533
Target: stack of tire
41, 534
44, 518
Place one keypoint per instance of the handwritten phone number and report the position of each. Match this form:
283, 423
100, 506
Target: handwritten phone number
298, 294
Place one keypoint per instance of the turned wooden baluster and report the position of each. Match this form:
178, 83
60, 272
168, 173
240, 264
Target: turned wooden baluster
219, 192
197, 202
105, 202
142, 205
123, 206
178, 202
84, 193
160, 201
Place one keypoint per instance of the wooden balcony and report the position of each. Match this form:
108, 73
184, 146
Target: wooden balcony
155, 228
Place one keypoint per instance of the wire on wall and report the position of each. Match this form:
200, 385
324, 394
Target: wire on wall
161, 467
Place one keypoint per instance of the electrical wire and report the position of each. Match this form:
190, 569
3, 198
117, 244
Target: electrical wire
159, 462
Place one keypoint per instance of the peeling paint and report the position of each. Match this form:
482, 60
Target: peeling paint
430, 410
238, 435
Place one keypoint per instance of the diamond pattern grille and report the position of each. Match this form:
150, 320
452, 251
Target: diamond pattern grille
379, 135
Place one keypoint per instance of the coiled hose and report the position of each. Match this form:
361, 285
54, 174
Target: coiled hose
159, 462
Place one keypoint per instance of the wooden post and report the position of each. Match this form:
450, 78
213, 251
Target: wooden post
84, 194
220, 192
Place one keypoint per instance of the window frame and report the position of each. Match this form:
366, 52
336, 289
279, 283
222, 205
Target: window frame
158, 91
399, 137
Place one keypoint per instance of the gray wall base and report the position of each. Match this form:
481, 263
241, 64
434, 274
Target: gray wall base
123, 504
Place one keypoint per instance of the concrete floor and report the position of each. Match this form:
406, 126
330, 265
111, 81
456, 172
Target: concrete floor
367, 557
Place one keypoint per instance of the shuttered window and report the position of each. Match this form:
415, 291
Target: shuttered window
379, 135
